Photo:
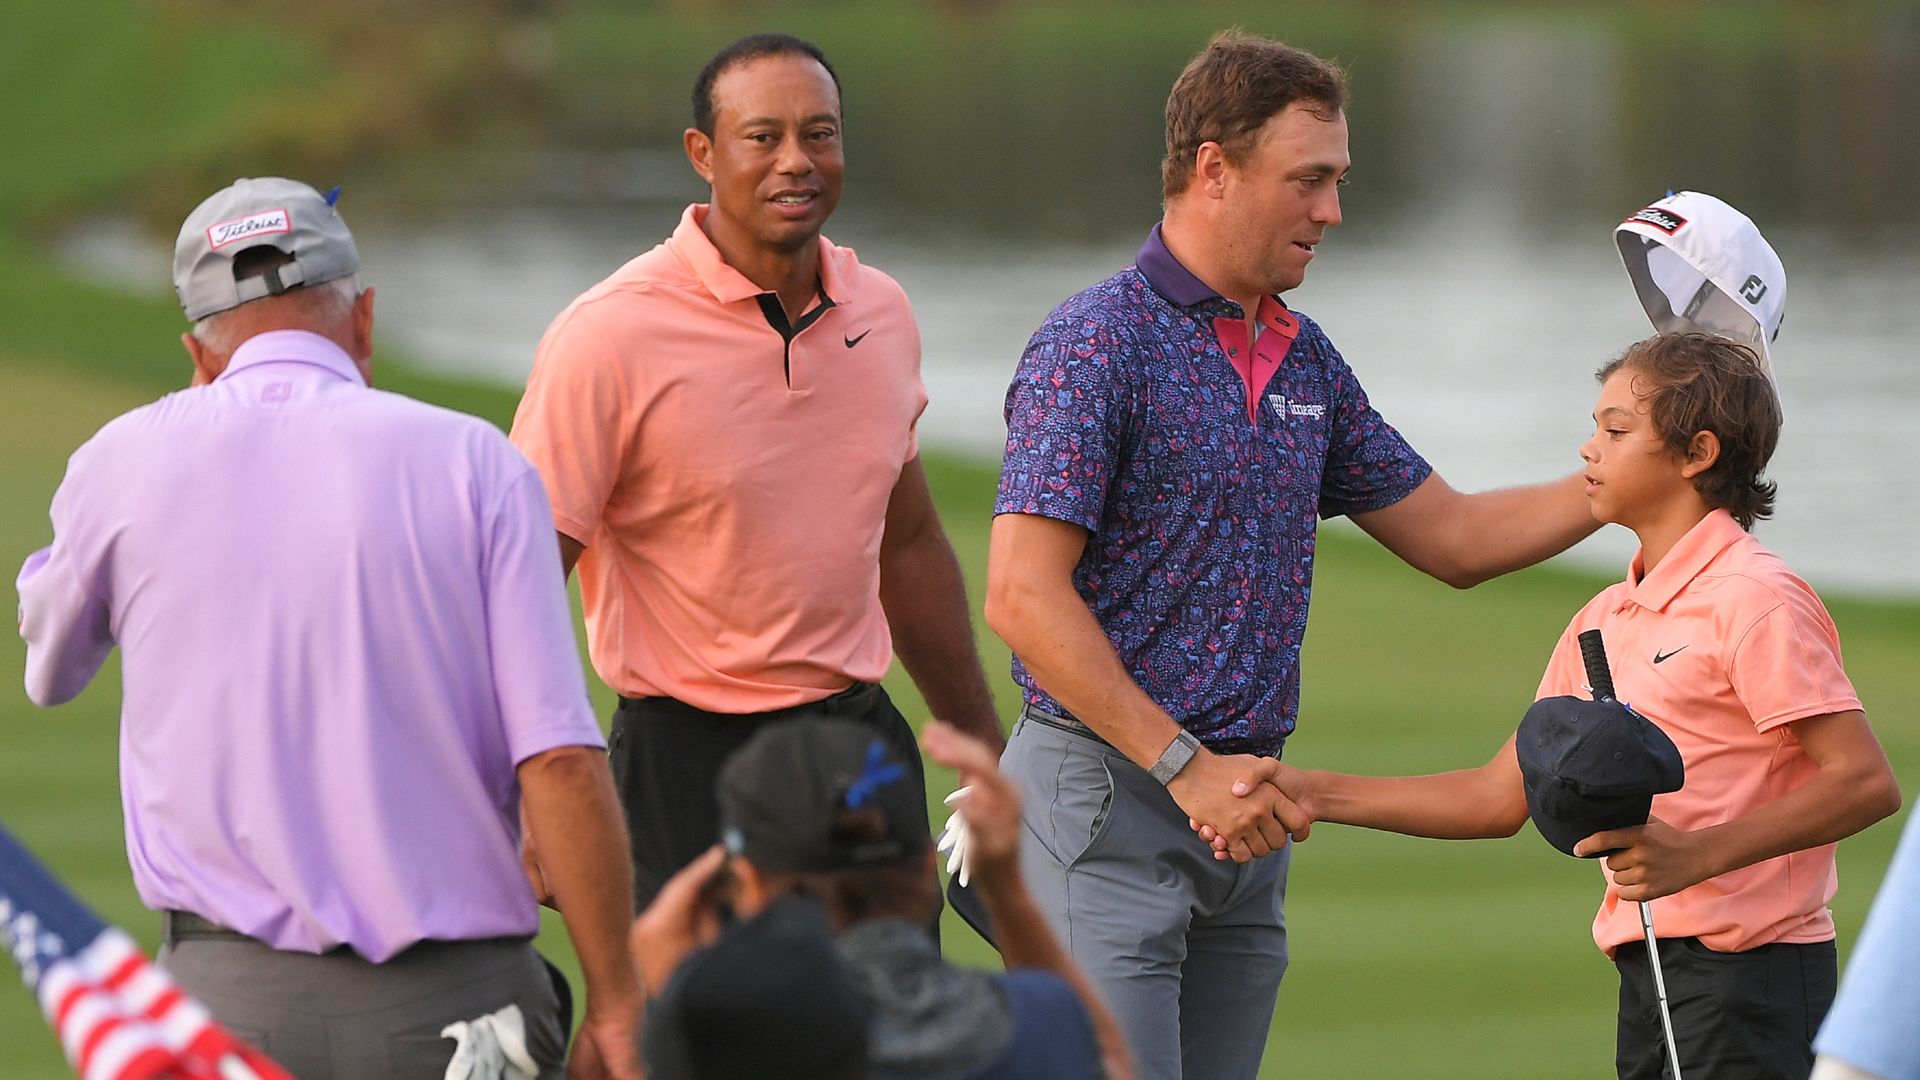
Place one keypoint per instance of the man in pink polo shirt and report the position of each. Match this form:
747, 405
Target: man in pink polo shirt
348, 670
1713, 639
726, 427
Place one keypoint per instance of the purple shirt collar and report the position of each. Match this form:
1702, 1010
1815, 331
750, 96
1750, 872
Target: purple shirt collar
292, 346
1169, 278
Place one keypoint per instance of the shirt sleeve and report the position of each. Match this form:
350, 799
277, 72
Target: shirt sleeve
537, 680
575, 422
65, 607
1065, 410
1370, 466
1786, 666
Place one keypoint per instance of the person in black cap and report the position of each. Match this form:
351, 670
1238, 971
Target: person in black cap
824, 812
1735, 659
769, 998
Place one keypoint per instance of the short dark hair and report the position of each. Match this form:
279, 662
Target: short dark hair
751, 47
1702, 382
1228, 92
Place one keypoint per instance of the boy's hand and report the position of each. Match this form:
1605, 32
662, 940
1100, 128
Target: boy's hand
1652, 860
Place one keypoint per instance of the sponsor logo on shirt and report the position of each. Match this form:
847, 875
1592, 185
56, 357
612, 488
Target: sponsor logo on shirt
1295, 408
238, 229
1665, 220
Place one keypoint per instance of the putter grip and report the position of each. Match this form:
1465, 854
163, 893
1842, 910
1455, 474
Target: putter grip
1599, 676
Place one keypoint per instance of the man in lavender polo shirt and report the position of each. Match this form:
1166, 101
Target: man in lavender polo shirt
347, 661
1174, 433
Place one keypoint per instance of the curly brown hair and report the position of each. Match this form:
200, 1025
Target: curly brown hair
1229, 92
1696, 382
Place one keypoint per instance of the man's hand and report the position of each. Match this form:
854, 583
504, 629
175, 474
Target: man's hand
681, 919
1652, 860
605, 1048
1292, 783
1237, 796
991, 806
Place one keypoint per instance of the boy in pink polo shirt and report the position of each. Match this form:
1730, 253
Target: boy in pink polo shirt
1712, 638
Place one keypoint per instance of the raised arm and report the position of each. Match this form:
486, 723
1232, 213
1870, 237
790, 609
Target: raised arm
1465, 539
925, 599
1032, 604
992, 812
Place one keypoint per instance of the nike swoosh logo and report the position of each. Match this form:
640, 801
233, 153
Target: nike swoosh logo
1659, 656
852, 341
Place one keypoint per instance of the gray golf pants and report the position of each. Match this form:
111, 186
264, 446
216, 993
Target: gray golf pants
1187, 951
337, 1017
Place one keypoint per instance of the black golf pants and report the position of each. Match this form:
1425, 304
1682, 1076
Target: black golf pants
1736, 1016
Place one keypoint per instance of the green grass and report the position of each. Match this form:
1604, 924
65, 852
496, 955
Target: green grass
1410, 958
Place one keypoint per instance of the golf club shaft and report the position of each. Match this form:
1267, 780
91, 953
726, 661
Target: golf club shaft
1660, 988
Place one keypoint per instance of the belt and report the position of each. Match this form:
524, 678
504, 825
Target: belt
178, 926
856, 701
1055, 720
1067, 723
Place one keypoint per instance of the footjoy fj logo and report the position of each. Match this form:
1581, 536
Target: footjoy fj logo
1294, 408
1660, 218
267, 221
1753, 289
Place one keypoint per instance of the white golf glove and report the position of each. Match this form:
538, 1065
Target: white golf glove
955, 838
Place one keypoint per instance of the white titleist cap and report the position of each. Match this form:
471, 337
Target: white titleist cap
1699, 264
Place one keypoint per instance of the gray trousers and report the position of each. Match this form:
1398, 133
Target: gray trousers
338, 1017
1187, 951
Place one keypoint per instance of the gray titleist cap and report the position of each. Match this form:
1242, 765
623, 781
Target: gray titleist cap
249, 213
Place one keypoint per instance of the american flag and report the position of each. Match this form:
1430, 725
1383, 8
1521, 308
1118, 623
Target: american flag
118, 1016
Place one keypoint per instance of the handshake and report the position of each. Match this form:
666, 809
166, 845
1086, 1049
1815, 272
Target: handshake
1243, 805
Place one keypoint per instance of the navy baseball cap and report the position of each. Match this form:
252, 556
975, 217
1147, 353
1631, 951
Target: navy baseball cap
811, 794
1590, 766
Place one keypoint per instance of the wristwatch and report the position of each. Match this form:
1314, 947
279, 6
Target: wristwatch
1175, 757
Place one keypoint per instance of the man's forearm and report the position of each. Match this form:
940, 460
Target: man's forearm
1464, 539
1055, 635
575, 817
1517, 527
925, 598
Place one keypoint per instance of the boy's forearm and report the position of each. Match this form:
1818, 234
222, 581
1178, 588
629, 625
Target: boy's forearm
1838, 801
1464, 805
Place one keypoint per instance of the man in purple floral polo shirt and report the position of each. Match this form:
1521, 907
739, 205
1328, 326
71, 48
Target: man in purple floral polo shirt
1173, 435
